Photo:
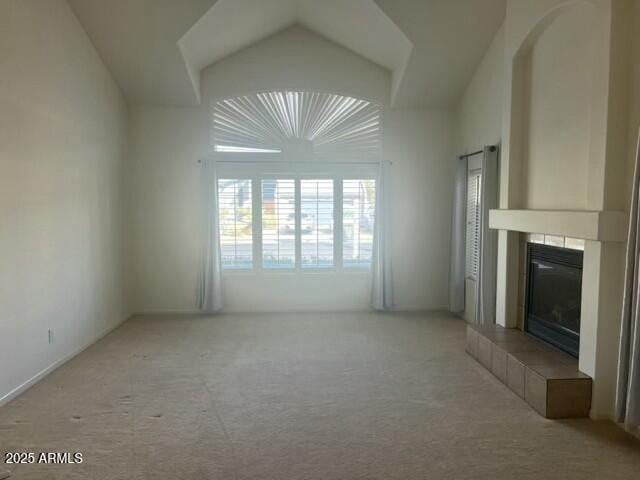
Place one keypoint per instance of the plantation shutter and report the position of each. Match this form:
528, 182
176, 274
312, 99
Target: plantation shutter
473, 222
278, 223
358, 199
235, 222
316, 223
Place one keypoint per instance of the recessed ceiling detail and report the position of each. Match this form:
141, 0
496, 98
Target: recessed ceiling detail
297, 122
358, 25
156, 49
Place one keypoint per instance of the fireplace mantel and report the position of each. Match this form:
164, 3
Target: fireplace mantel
604, 233
602, 226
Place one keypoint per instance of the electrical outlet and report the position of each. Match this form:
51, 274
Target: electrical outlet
50, 331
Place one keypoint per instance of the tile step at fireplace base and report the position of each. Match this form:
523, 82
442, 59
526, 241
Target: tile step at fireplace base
547, 379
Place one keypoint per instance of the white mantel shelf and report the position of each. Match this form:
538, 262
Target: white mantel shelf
602, 226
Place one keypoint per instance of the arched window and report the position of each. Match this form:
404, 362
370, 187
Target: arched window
297, 123
296, 180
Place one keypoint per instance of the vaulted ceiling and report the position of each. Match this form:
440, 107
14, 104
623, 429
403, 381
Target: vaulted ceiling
157, 48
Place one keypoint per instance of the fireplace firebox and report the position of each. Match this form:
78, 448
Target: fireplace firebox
553, 295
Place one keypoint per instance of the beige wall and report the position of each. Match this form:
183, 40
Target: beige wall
419, 142
634, 95
165, 216
479, 112
479, 121
295, 58
558, 76
567, 90
62, 147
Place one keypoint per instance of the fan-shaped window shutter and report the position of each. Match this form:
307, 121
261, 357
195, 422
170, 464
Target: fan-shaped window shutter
280, 212
297, 122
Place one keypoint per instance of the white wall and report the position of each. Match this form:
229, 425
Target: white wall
558, 96
164, 214
295, 58
634, 95
479, 121
62, 147
568, 62
479, 112
419, 142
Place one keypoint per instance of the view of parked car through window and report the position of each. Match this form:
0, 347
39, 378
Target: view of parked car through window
319, 227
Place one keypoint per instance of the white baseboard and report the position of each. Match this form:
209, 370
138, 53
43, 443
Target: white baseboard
420, 308
397, 309
600, 416
47, 370
160, 312
61, 361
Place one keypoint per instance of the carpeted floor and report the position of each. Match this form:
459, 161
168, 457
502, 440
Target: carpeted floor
297, 396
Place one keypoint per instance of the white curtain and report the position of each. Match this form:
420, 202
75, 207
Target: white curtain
628, 385
382, 285
210, 288
488, 240
458, 239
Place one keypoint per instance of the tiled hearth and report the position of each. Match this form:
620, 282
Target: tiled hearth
601, 236
547, 379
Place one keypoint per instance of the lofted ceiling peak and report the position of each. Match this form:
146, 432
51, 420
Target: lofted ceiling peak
156, 49
231, 25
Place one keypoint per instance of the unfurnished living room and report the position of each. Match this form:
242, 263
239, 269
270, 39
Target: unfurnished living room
319, 239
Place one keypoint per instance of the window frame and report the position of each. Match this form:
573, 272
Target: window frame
273, 168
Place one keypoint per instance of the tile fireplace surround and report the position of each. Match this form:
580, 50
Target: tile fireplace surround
545, 378
600, 235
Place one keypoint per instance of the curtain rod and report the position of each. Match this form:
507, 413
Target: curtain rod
492, 148
318, 162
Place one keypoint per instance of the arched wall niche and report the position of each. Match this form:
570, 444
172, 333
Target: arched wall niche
601, 149
551, 117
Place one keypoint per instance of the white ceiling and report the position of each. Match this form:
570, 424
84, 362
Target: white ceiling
450, 38
157, 48
138, 41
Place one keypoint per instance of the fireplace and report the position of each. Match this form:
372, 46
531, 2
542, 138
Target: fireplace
553, 295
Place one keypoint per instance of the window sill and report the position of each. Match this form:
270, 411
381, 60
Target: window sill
298, 272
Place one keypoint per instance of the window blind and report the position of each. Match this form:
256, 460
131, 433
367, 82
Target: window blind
278, 223
316, 223
358, 215
473, 222
265, 123
235, 223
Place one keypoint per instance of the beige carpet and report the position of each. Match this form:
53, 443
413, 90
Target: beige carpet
297, 396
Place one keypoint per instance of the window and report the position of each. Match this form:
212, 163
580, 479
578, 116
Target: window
473, 222
358, 213
300, 223
264, 123
311, 157
316, 223
235, 223
278, 223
